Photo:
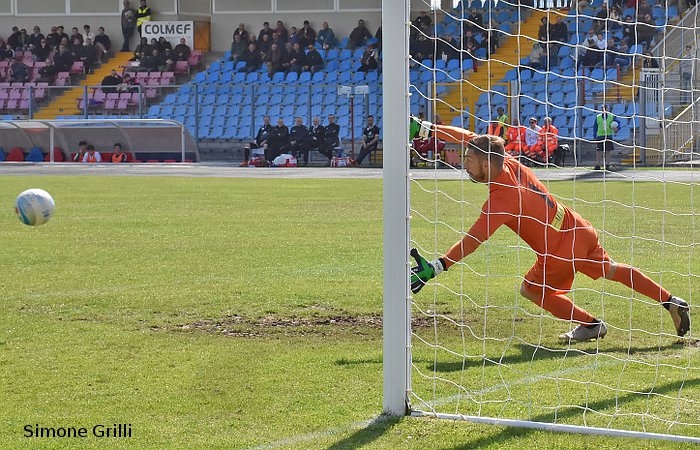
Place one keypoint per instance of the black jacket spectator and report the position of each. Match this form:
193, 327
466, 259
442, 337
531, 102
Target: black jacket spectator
558, 31
266, 30
421, 23
103, 40
359, 35
307, 35
370, 139
47, 74
182, 51
53, 39
276, 60
629, 31
297, 58
264, 45
238, 47
128, 22
369, 60
13, 39
19, 72
314, 61
41, 51
36, 37
474, 23
331, 136
253, 59
281, 30
63, 60
110, 82
242, 32
317, 133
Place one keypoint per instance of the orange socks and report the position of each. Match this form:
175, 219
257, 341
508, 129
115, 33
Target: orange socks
561, 306
632, 277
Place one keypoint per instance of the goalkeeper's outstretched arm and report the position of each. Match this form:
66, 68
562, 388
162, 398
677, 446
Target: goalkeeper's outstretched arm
424, 129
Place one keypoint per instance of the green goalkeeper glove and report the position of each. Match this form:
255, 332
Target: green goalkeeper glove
424, 271
419, 129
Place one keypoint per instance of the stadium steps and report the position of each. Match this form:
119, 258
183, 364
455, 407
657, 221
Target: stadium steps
491, 72
66, 104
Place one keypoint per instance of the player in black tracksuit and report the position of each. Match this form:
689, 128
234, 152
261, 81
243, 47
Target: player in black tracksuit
261, 140
299, 140
317, 134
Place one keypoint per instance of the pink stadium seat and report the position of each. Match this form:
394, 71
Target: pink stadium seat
110, 103
182, 67
63, 79
3, 104
151, 93
123, 104
24, 105
11, 104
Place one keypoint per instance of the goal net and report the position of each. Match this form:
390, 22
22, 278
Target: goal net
623, 80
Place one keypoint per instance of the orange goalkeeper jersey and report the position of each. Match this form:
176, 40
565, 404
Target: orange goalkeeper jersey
518, 200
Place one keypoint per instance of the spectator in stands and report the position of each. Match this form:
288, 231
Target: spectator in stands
36, 37
543, 31
47, 74
238, 47
470, 54
261, 141
421, 24
299, 140
604, 133
491, 39
629, 31
473, 23
276, 60
368, 61
253, 59
118, 156
87, 34
469, 39
686, 70
615, 18
182, 51
293, 38
61, 31
547, 141
537, 56
649, 62
53, 39
143, 15
19, 72
111, 81
314, 61
242, 32
282, 31
130, 84
599, 24
265, 45
7, 54
370, 140
532, 134
646, 30
23, 40
359, 35
331, 137
128, 24
643, 9
103, 44
558, 31
420, 48
41, 51
82, 151
75, 34
621, 55
266, 30
448, 47
378, 37
326, 37
516, 138
316, 135
88, 54
297, 58
92, 155
63, 59
144, 48
279, 141
13, 39
164, 44
307, 35
593, 55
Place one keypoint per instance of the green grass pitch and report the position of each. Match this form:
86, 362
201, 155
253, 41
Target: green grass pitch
233, 313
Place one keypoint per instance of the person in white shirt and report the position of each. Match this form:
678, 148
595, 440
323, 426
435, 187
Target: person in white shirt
88, 34
531, 137
92, 155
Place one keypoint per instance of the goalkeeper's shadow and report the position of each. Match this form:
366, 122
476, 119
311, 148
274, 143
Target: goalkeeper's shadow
528, 354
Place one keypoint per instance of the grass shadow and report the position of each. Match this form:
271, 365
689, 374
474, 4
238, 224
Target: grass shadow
373, 431
531, 353
564, 413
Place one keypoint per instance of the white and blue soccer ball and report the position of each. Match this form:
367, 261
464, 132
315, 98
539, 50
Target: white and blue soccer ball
34, 207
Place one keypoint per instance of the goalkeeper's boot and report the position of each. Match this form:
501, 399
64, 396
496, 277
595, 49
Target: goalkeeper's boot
679, 310
585, 333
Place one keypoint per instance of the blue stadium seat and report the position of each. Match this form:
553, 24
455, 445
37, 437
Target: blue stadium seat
332, 54
291, 78
305, 77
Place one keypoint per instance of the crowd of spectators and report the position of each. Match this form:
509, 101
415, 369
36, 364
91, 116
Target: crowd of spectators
57, 51
296, 50
158, 55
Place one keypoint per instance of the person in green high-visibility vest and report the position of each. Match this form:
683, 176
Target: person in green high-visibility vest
605, 127
502, 119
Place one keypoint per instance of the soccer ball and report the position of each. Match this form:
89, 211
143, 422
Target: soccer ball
34, 207
614, 125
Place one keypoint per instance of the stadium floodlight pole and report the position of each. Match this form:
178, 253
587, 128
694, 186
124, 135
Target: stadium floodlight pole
397, 318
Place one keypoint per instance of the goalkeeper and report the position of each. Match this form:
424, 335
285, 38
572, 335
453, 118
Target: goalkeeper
565, 243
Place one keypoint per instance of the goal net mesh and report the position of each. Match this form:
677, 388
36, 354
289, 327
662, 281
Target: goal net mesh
478, 347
